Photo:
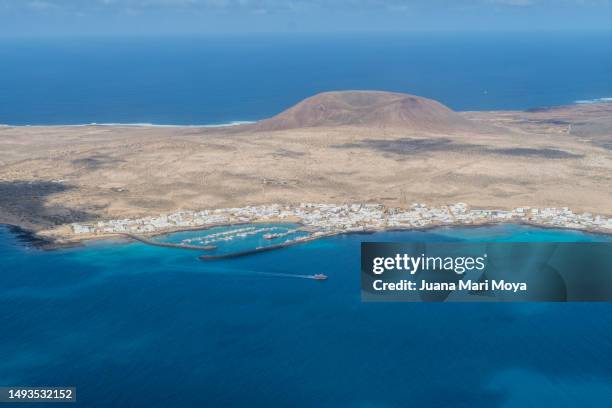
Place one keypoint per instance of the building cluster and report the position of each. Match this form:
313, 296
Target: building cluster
331, 218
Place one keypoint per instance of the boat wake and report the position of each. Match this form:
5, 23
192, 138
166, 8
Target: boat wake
246, 272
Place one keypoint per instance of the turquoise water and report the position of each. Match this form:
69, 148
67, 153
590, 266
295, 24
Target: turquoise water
134, 325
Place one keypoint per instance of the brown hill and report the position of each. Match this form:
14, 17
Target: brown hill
367, 108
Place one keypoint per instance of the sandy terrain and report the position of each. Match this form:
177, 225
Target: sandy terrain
336, 149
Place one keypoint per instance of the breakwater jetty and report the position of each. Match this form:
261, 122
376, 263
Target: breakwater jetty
169, 244
262, 248
244, 253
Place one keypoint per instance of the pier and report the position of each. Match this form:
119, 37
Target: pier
260, 249
245, 253
169, 244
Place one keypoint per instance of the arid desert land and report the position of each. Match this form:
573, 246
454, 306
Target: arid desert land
338, 147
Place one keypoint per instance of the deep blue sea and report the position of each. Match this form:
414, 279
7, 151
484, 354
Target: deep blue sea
134, 325
220, 79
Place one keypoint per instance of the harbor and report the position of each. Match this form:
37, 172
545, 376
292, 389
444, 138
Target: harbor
321, 219
259, 249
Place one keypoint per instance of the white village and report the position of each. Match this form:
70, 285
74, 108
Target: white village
329, 219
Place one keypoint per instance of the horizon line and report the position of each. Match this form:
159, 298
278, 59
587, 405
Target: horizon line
539, 30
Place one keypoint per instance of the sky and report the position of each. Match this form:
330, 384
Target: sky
141, 17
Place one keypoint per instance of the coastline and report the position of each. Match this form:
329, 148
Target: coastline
604, 101
134, 125
330, 219
35, 240
47, 243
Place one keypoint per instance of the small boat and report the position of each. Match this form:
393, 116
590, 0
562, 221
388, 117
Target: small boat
319, 276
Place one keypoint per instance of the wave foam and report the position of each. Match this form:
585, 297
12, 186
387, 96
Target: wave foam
590, 101
216, 125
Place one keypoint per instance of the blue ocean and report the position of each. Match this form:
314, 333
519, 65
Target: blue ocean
135, 325
140, 326
221, 79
